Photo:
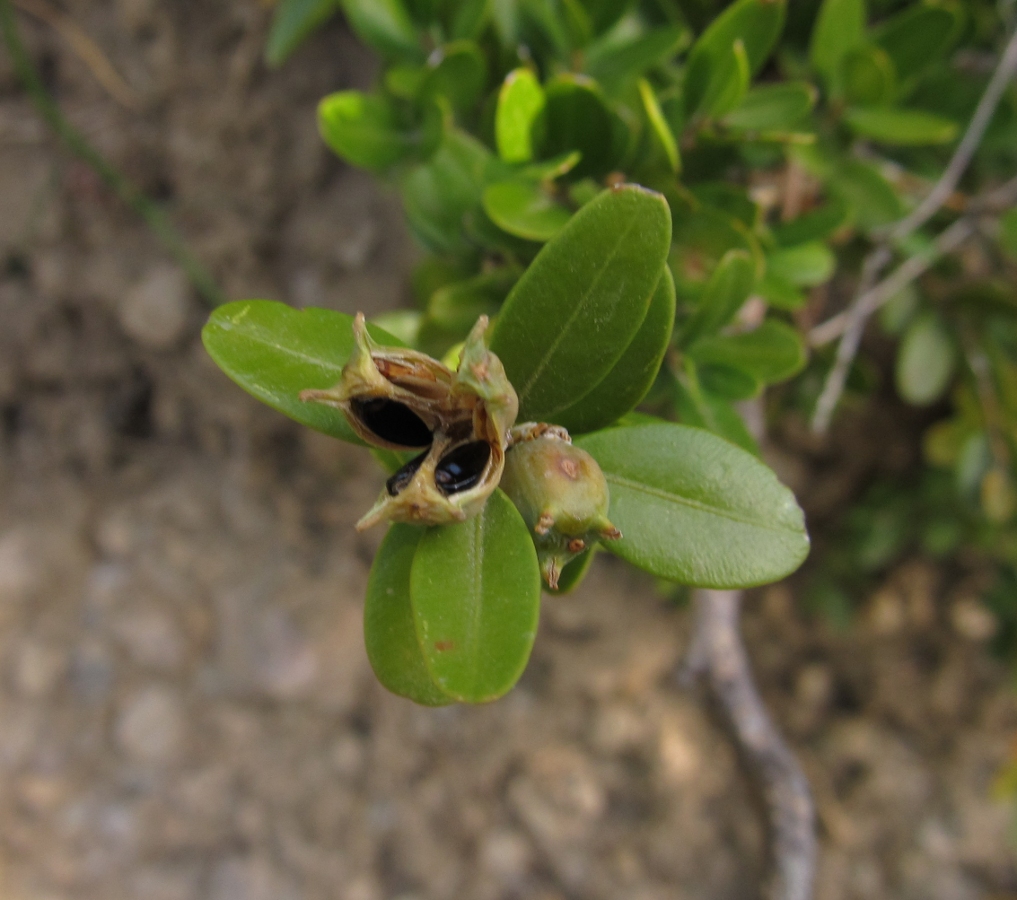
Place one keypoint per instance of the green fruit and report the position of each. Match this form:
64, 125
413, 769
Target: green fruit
561, 494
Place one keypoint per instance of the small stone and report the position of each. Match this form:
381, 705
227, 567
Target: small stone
347, 755
165, 883
507, 855
971, 620
152, 638
150, 729
285, 663
886, 613
18, 574
37, 668
91, 672
680, 759
252, 878
156, 310
814, 685
618, 728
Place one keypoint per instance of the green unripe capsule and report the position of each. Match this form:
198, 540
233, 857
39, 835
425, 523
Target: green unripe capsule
560, 492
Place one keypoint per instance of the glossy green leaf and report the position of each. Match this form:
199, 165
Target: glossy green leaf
553, 168
274, 352
805, 265
579, 304
696, 509
727, 383
457, 72
440, 193
729, 82
475, 590
780, 293
900, 127
385, 26
614, 64
634, 373
868, 77
523, 208
756, 23
920, 35
839, 29
771, 353
364, 130
293, 22
663, 138
390, 635
725, 293
926, 358
771, 107
520, 103
577, 117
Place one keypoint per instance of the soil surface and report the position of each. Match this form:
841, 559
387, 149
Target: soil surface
186, 709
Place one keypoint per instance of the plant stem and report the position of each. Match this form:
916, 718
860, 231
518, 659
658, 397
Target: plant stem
154, 216
718, 655
870, 296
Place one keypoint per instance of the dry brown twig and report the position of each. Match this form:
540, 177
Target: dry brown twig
871, 293
85, 48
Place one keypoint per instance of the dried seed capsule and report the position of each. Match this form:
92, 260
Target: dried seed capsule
402, 399
561, 493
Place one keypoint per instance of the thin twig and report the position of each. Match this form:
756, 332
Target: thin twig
870, 295
87, 50
144, 206
718, 655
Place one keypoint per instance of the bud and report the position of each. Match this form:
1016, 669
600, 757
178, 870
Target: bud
402, 399
561, 493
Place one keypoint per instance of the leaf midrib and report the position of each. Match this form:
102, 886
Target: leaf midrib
695, 504
538, 370
286, 350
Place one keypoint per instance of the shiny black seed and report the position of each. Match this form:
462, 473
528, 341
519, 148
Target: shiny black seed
461, 469
405, 475
392, 421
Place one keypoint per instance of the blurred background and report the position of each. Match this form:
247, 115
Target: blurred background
186, 709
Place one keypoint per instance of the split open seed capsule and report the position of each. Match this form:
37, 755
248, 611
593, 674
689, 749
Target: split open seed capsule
561, 493
405, 400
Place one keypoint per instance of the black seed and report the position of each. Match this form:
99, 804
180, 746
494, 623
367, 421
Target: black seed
461, 469
405, 475
392, 421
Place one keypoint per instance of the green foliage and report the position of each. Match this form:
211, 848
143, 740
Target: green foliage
612, 184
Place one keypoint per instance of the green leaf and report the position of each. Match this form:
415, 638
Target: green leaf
293, 22
439, 194
920, 35
901, 127
871, 198
365, 130
520, 103
702, 409
701, 239
614, 64
634, 373
868, 77
756, 23
780, 293
729, 82
697, 510
385, 26
274, 352
725, 293
390, 635
577, 117
456, 306
813, 226
926, 358
661, 131
839, 29
469, 19
524, 209
457, 72
475, 590
773, 107
728, 384
551, 169
771, 353
805, 265
579, 304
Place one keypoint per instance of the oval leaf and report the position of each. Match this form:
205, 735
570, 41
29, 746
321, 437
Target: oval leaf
773, 107
274, 352
293, 22
524, 209
520, 103
806, 265
613, 63
695, 509
457, 72
771, 353
385, 26
363, 130
579, 304
839, 28
633, 375
725, 293
577, 117
901, 127
390, 635
663, 137
925, 361
475, 590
